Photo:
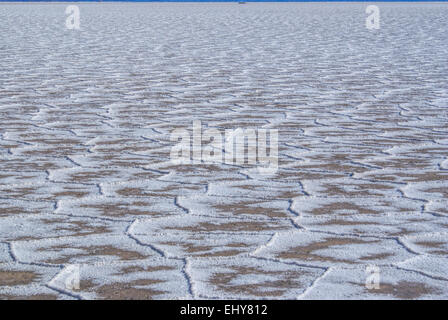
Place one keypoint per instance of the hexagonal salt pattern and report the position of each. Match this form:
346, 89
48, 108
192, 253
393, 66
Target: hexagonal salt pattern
92, 207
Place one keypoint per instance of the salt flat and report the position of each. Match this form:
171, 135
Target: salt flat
86, 179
